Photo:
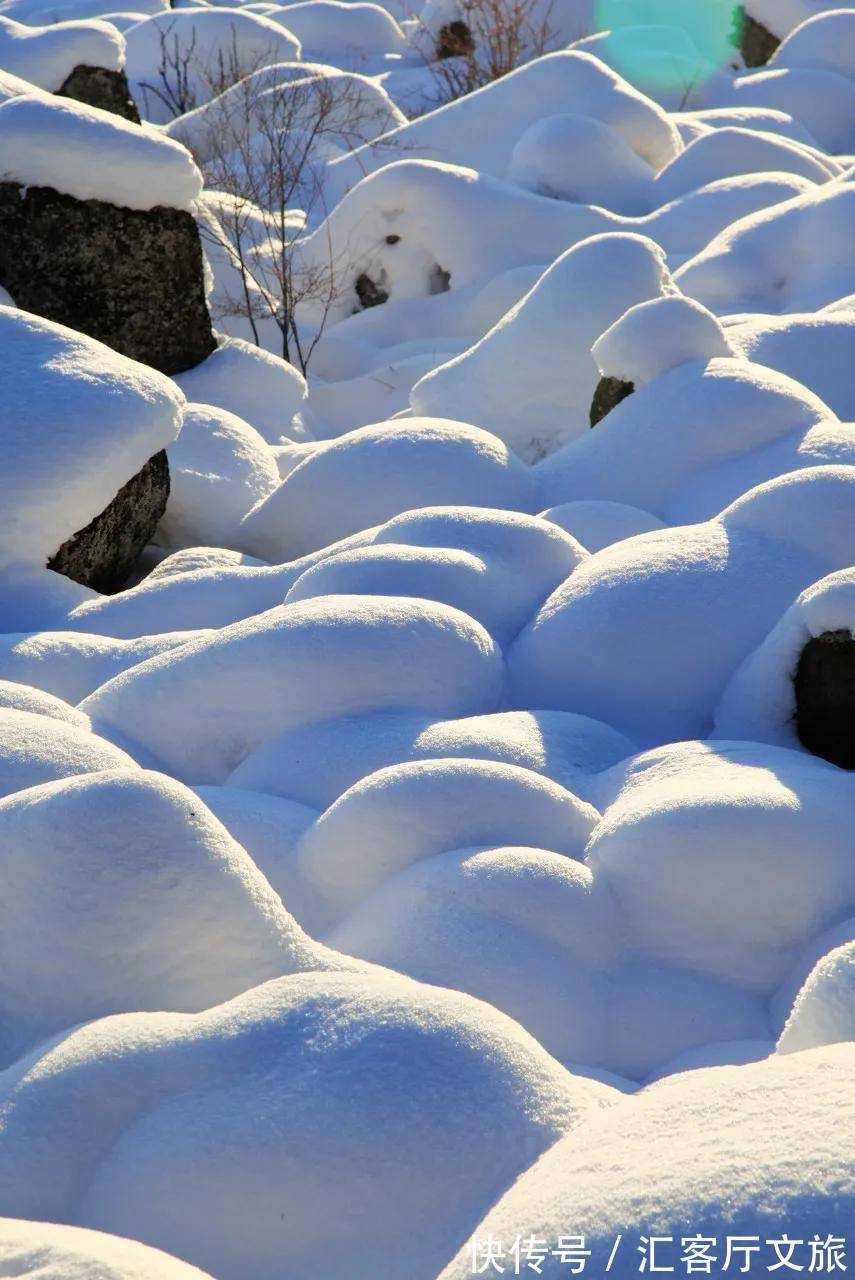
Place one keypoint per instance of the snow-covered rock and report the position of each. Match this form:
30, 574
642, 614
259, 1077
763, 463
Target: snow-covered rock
79, 422
243, 1108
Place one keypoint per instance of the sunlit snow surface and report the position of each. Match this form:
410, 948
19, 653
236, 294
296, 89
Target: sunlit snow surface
417, 872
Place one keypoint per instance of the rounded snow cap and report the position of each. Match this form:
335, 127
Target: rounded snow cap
657, 335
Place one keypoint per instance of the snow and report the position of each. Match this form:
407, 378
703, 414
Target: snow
384, 470
200, 40
249, 382
388, 864
655, 336
637, 609
408, 812
80, 421
219, 468
52, 1252
759, 700
242, 1108
550, 331
316, 763
740, 1150
392, 653
46, 56
93, 155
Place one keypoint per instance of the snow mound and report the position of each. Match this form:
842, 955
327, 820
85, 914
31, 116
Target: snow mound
699, 436
655, 336
824, 1012
219, 468
728, 151
242, 1108
93, 155
759, 701
750, 1149
825, 41
793, 257
123, 882
80, 421
530, 931
36, 748
46, 56
647, 633
71, 665
200, 41
813, 348
597, 523
331, 31
47, 1251
570, 82
294, 665
496, 566
409, 812
531, 378
253, 384
370, 475
15, 696
726, 857
579, 158
821, 100
315, 764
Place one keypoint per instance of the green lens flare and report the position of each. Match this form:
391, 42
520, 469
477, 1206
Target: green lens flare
669, 44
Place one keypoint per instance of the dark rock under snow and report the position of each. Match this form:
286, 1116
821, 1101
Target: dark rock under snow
132, 278
101, 87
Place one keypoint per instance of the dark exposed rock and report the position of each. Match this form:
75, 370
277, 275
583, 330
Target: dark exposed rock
455, 40
439, 280
825, 697
369, 292
756, 42
103, 554
100, 87
608, 393
131, 278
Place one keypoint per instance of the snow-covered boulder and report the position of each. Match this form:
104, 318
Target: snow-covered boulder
48, 1251
219, 468
80, 423
81, 60
406, 813
243, 1108
250, 382
531, 377
647, 633
752, 1148
464, 132
316, 763
177, 60
797, 256
692, 440
796, 688
95, 231
181, 918
297, 664
370, 475
824, 1011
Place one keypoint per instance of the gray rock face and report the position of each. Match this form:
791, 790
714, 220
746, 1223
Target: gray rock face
757, 44
103, 554
825, 697
608, 393
100, 87
131, 278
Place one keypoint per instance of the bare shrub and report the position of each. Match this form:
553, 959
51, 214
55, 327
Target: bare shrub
488, 39
264, 151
